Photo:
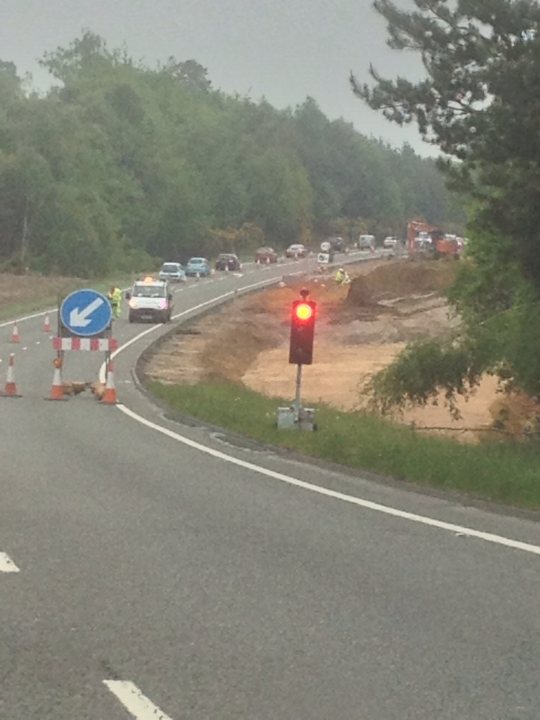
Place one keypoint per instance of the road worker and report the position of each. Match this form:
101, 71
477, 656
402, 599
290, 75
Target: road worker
341, 277
115, 298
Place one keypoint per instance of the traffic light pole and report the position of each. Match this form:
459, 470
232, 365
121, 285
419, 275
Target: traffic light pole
297, 400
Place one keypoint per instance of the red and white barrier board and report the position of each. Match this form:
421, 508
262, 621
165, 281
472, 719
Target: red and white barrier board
80, 343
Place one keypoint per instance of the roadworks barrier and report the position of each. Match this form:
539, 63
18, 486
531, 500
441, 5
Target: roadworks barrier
10, 389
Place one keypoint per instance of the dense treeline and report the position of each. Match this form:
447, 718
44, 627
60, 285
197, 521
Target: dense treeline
119, 163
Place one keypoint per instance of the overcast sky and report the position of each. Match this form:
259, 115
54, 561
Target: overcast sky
283, 50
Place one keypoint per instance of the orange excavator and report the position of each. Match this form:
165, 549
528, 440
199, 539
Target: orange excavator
425, 240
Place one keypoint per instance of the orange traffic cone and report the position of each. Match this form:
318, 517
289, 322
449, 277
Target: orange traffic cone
10, 389
57, 389
109, 396
47, 324
15, 337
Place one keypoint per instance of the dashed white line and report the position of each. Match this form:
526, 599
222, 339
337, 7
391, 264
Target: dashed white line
7, 565
134, 701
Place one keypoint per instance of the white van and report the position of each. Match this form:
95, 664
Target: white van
150, 299
366, 242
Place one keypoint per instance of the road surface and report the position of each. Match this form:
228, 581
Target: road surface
154, 570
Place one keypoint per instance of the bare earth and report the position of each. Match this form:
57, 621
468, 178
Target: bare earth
360, 329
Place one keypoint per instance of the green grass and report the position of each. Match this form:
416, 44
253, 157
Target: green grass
507, 473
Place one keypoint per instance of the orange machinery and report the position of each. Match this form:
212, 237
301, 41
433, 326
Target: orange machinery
442, 245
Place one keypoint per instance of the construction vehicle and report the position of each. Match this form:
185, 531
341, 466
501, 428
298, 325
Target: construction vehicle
429, 241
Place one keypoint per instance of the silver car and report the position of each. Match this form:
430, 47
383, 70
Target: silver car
172, 271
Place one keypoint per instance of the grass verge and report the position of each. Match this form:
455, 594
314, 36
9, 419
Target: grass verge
38, 299
500, 472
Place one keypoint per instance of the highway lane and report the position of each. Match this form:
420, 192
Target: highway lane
223, 594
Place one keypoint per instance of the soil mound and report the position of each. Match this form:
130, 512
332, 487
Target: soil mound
396, 279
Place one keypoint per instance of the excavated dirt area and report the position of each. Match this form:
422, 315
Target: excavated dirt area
361, 327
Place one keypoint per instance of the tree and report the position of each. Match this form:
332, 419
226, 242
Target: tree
479, 102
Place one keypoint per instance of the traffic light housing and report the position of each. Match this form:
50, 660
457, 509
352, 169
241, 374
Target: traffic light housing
302, 331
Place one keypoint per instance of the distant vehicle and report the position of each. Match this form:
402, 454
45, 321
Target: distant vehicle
228, 261
150, 299
296, 250
266, 255
172, 271
366, 242
338, 244
390, 241
197, 266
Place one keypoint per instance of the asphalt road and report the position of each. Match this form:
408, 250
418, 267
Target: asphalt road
153, 570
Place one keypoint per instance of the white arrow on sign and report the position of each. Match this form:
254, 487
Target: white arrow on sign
79, 318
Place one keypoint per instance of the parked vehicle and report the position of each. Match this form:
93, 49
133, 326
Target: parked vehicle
266, 255
197, 266
228, 261
390, 242
172, 271
296, 250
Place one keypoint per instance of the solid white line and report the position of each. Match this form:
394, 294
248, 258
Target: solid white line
367, 504
7, 565
134, 701
387, 510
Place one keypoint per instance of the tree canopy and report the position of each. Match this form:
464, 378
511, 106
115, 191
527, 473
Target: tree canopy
120, 164
479, 102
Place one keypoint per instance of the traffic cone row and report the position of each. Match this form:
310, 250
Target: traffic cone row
109, 396
10, 389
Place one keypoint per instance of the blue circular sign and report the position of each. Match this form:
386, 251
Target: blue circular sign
86, 313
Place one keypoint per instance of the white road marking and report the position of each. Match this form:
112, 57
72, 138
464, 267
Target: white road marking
7, 565
321, 490
26, 317
134, 701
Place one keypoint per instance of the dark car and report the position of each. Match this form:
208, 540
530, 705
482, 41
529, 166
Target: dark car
266, 255
338, 244
228, 261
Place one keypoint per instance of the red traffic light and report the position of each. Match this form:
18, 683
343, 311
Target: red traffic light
302, 332
303, 311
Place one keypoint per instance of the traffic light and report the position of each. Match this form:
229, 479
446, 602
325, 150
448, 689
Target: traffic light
302, 332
